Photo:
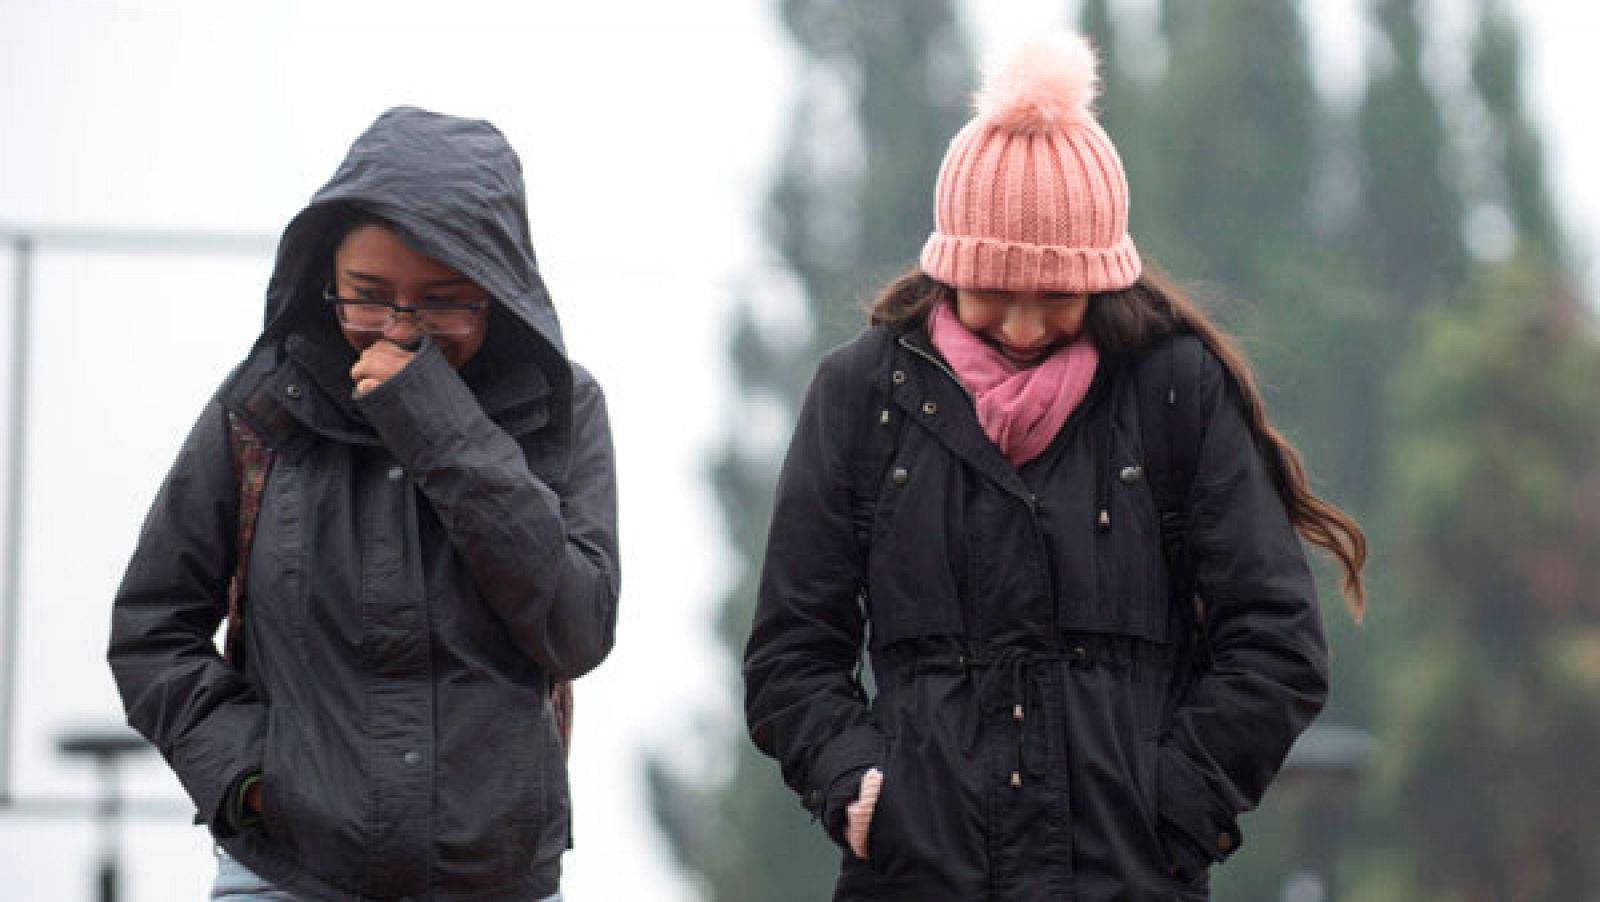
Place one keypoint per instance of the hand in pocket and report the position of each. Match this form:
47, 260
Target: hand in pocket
858, 814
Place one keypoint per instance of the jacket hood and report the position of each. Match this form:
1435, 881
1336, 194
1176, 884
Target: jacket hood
453, 189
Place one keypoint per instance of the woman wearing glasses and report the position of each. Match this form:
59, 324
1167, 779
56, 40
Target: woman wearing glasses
411, 490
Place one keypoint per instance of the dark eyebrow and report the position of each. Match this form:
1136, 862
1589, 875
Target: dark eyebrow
449, 282
365, 277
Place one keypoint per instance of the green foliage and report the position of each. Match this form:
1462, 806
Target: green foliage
1490, 714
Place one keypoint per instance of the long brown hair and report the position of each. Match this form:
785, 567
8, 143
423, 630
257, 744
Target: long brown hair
1140, 315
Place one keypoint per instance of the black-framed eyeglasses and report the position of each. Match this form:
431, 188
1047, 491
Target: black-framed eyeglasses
435, 316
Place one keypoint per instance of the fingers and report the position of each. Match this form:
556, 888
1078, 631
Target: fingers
858, 814
377, 364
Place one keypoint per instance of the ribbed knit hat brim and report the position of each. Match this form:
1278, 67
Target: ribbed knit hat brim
988, 264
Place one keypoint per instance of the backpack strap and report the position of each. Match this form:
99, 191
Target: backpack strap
1170, 421
252, 460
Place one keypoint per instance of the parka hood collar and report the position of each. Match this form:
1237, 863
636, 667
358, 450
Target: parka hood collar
453, 189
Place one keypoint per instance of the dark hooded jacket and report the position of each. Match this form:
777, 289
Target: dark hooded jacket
428, 558
1043, 728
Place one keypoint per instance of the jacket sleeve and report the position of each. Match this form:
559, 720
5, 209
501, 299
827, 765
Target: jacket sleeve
201, 714
544, 557
802, 701
1267, 677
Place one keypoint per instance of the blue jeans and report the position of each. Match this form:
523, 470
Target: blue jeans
237, 883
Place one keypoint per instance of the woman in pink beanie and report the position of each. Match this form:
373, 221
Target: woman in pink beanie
1042, 490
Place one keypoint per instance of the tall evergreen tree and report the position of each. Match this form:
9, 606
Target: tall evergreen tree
1240, 117
883, 89
1497, 76
1411, 223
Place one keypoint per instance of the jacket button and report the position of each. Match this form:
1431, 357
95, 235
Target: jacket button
930, 408
1016, 780
1080, 653
899, 377
412, 759
1224, 842
396, 473
883, 418
1016, 712
292, 390
900, 476
1131, 475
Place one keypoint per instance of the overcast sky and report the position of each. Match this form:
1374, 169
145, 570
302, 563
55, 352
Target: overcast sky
647, 132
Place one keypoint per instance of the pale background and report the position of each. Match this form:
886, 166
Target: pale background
647, 132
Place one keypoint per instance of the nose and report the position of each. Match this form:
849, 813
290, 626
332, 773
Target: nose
1024, 326
403, 328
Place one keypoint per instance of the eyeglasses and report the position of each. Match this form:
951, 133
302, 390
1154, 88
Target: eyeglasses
435, 316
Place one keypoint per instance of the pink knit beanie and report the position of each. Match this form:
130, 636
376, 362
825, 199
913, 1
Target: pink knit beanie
1031, 195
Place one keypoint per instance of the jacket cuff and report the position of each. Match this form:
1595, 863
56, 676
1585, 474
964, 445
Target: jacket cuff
212, 760
836, 776
836, 802
417, 408
231, 815
1188, 860
1186, 806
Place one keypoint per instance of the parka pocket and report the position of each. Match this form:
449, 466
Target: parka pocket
883, 831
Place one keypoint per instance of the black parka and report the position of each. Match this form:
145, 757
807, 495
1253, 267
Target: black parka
1041, 726
428, 558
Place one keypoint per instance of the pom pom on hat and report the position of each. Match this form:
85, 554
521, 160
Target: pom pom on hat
1046, 83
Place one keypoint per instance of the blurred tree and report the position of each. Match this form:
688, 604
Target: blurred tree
883, 88
1488, 717
1238, 127
1410, 225
1521, 187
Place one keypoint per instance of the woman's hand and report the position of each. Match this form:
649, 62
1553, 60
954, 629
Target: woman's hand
380, 361
858, 814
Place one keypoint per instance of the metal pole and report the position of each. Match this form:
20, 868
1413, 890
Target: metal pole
20, 326
108, 873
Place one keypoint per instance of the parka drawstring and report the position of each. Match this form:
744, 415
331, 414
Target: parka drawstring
1009, 680
1102, 455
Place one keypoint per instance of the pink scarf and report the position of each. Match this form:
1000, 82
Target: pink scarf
1020, 408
